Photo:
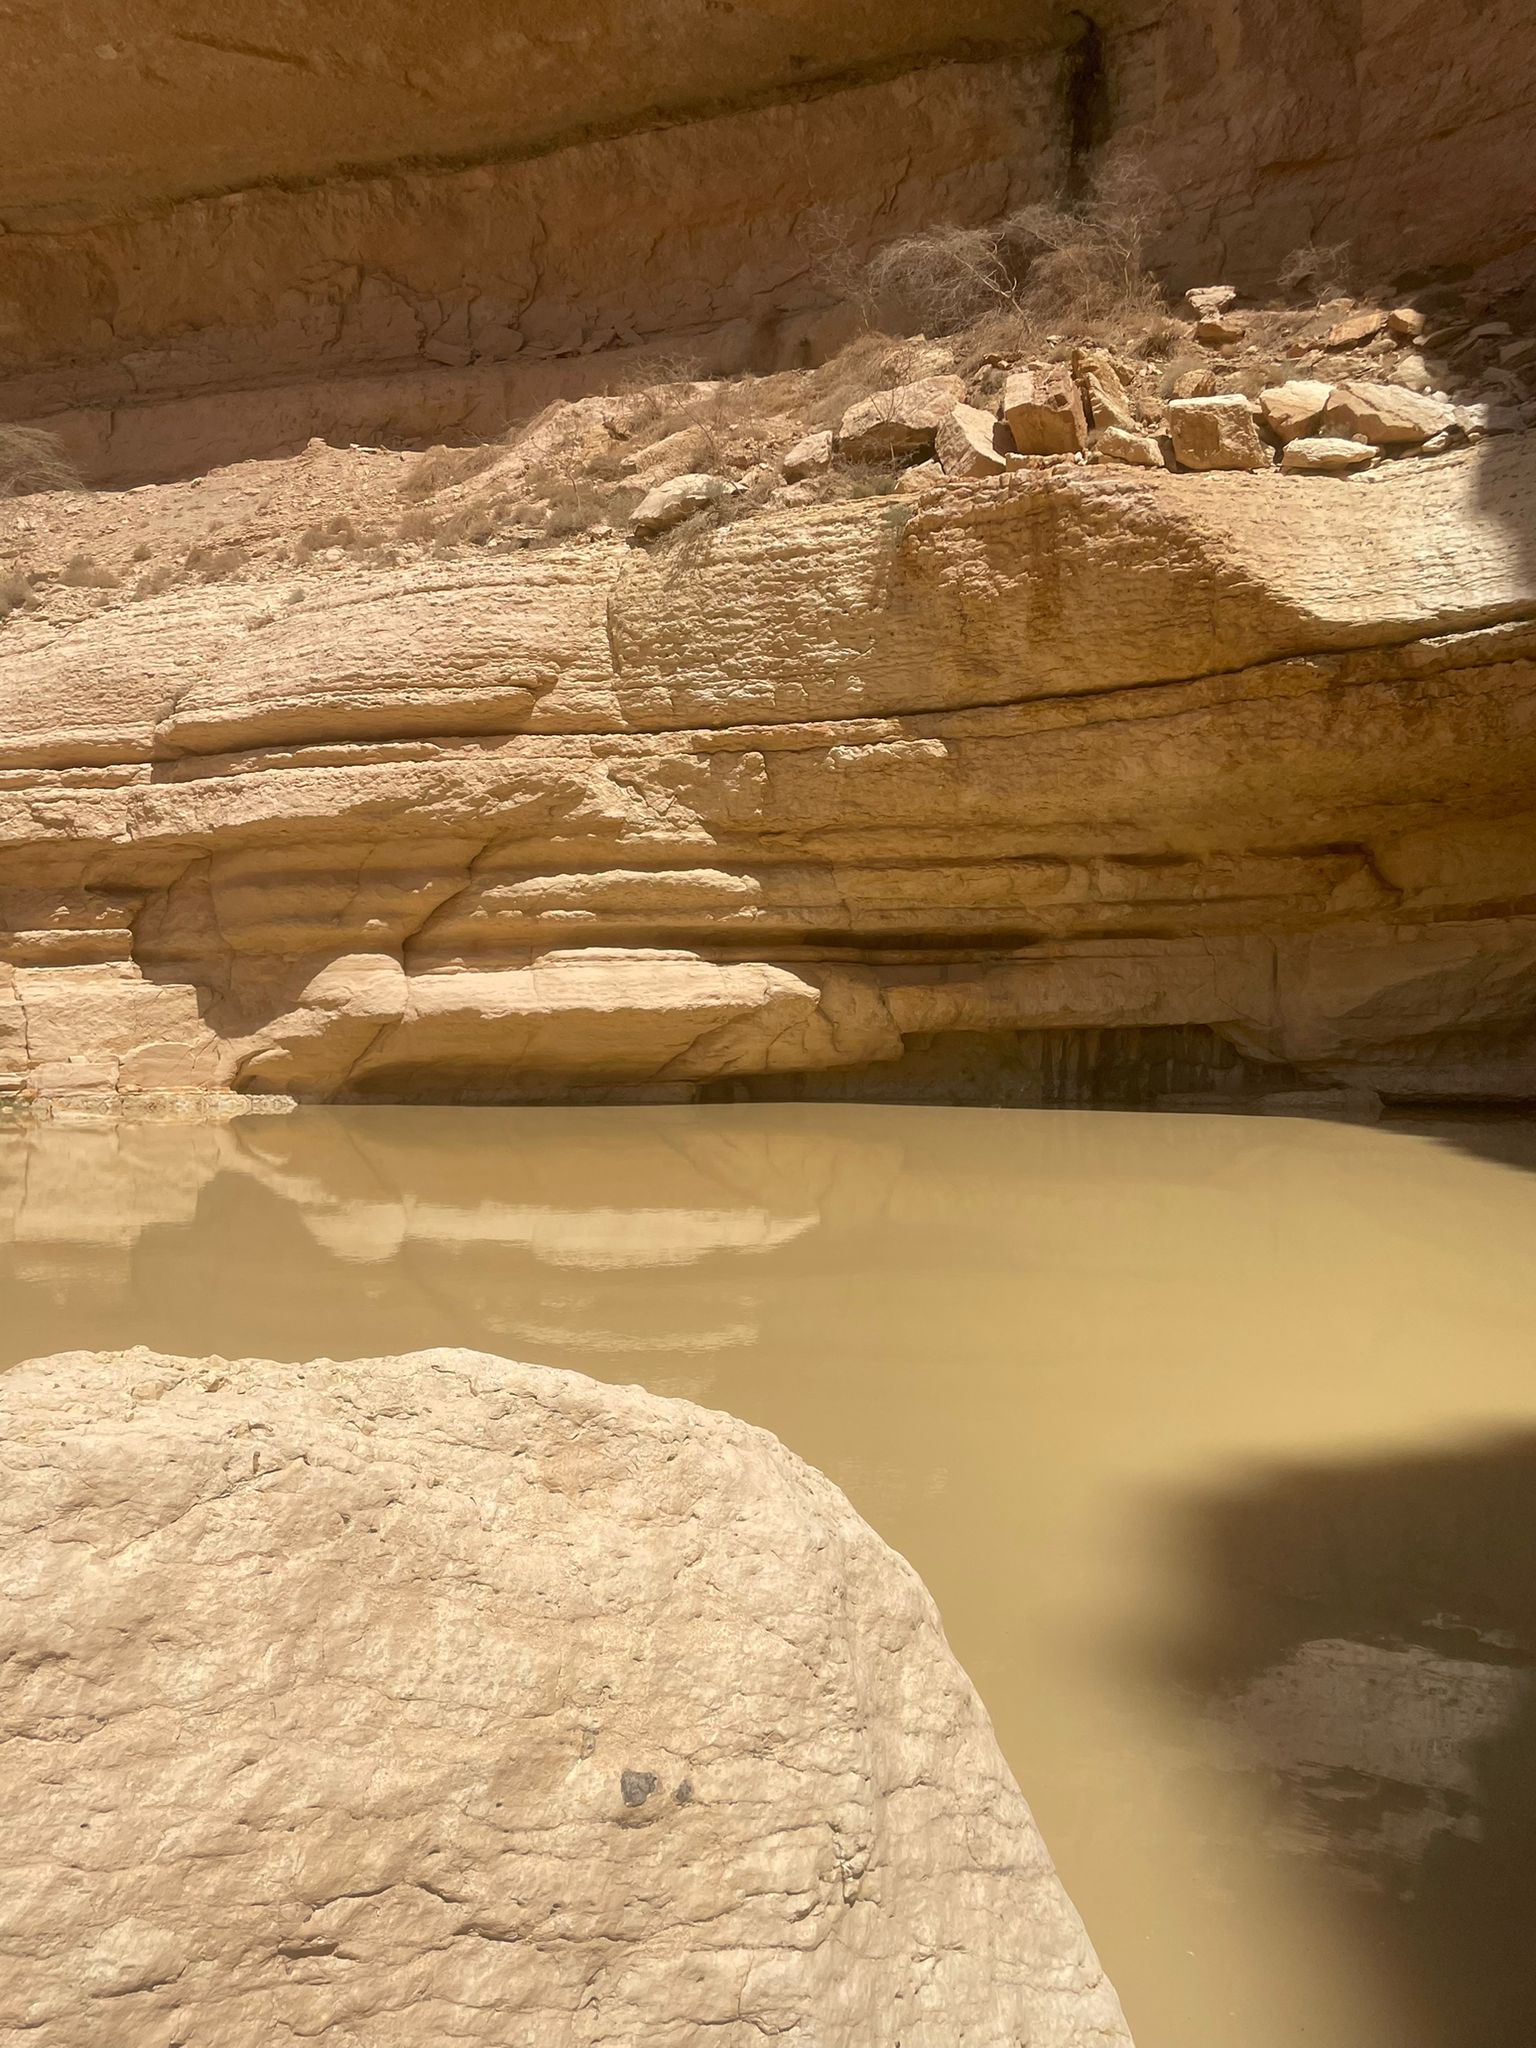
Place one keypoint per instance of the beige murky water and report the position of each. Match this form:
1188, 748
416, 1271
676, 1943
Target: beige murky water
1214, 1438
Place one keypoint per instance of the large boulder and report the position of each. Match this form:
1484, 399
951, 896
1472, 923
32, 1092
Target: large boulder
972, 443
437, 1698
1386, 415
900, 424
1044, 411
1216, 433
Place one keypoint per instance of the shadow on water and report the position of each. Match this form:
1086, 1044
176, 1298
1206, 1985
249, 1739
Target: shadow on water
1365, 1644
1508, 1138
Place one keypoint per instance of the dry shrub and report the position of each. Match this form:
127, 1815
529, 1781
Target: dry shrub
32, 459
1317, 271
656, 368
1079, 269
154, 581
80, 572
339, 531
212, 561
439, 469
561, 503
16, 592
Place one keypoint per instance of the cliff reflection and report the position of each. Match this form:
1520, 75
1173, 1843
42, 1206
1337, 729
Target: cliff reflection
1125, 1389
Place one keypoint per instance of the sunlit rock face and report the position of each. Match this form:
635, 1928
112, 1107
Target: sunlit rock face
219, 241
470, 1696
844, 793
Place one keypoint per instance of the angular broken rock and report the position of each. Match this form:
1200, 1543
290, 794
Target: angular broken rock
1103, 390
1218, 330
1413, 373
1386, 415
809, 457
1320, 455
1211, 300
922, 476
1199, 381
1116, 445
1406, 322
1216, 433
1356, 329
1043, 408
1295, 407
676, 500
897, 424
1488, 416
967, 443
436, 1698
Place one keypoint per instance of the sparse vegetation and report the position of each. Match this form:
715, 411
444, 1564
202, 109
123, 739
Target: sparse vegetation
439, 469
1056, 268
1316, 271
212, 561
32, 459
80, 572
16, 592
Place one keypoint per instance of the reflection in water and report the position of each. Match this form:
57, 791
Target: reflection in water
1215, 1439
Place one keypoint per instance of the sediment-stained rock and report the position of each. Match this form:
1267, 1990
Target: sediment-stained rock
476, 1700
1075, 749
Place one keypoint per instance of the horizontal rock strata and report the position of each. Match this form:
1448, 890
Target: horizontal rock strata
1067, 750
475, 1701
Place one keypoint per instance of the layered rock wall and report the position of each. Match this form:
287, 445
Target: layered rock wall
405, 231
1078, 750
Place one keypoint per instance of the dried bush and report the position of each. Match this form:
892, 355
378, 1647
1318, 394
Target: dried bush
214, 560
32, 459
1317, 271
80, 572
338, 531
16, 591
1079, 269
439, 469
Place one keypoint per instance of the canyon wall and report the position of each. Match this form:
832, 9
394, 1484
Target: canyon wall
1079, 750
222, 238
1061, 781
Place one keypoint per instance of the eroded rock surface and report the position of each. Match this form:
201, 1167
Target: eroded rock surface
476, 1701
1075, 749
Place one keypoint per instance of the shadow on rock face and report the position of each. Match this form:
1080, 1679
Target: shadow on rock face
1366, 1644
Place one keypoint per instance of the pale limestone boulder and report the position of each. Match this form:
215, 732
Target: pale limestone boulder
1319, 455
1487, 416
1406, 322
1043, 410
971, 443
1210, 301
810, 457
1355, 329
680, 498
1386, 415
437, 1697
922, 476
1142, 451
1413, 373
1295, 407
898, 424
1216, 433
1103, 390
1219, 330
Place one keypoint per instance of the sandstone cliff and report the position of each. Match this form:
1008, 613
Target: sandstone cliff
468, 1697
979, 715
1066, 751
219, 236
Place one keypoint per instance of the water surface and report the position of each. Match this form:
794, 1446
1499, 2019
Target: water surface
1215, 1439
